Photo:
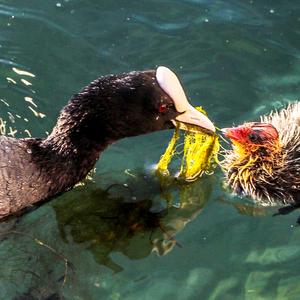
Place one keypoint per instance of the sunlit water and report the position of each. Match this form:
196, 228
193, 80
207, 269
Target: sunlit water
119, 236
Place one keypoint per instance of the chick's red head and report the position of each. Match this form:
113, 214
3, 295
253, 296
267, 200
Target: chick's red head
251, 137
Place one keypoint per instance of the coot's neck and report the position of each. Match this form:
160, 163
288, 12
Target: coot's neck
108, 109
73, 146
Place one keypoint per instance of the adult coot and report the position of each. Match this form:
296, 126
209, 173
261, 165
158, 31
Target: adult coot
108, 109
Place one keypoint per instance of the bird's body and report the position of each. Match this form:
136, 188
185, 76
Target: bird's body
35, 169
110, 108
265, 160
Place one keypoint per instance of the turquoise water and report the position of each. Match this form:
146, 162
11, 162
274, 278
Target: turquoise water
119, 235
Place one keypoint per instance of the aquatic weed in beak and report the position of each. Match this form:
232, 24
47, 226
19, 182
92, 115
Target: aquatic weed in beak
200, 150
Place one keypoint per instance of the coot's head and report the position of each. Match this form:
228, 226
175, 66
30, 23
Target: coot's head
253, 138
118, 106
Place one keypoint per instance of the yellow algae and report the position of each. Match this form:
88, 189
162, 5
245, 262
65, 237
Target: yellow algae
199, 151
166, 158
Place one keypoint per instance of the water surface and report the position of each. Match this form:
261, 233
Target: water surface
119, 235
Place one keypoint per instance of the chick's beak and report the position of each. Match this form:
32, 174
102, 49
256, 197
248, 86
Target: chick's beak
169, 82
232, 133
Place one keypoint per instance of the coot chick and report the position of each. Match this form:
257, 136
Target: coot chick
265, 160
108, 109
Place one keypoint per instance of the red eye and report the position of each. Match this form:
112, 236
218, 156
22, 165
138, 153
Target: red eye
162, 108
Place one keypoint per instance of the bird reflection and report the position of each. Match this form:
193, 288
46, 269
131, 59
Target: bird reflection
254, 209
141, 216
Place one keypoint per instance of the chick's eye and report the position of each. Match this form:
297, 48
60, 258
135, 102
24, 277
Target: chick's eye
163, 108
253, 137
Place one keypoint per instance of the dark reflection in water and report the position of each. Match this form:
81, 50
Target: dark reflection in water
130, 218
136, 218
31, 268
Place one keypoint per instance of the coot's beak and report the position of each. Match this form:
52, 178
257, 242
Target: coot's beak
169, 82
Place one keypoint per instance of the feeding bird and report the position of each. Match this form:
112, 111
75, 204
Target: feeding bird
108, 109
264, 162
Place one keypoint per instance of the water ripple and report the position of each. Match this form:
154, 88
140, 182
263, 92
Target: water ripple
159, 25
33, 15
